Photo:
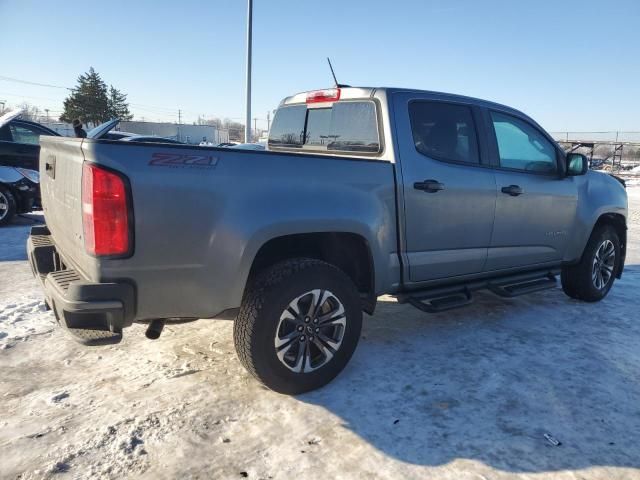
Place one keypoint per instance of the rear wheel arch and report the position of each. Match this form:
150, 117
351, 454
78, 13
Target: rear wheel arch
350, 252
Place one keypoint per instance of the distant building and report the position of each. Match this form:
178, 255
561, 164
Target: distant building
64, 129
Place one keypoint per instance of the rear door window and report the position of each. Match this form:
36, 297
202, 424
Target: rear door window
444, 131
345, 126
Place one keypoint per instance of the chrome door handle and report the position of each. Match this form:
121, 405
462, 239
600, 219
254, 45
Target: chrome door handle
513, 190
430, 186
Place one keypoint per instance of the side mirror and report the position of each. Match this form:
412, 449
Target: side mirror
577, 164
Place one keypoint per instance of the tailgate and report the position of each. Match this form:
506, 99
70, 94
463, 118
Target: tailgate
61, 162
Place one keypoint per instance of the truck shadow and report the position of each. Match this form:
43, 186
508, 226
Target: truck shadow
488, 382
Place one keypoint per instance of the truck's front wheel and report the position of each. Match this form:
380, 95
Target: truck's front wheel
299, 324
592, 278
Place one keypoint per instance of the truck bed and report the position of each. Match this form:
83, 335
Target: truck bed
199, 215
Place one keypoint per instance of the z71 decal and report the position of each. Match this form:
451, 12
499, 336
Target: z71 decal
173, 160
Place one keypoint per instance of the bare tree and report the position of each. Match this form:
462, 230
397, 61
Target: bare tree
631, 153
603, 151
30, 112
213, 121
236, 130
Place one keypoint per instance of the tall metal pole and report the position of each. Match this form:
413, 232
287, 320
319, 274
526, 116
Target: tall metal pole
247, 123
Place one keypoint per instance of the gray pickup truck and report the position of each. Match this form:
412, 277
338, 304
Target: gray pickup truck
362, 192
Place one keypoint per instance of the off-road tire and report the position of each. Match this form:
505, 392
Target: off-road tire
11, 204
577, 279
266, 298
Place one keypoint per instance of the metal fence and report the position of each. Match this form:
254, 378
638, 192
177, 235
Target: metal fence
613, 137
616, 151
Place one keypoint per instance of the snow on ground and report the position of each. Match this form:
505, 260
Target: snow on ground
468, 394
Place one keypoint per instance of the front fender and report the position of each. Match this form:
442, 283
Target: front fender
598, 194
9, 175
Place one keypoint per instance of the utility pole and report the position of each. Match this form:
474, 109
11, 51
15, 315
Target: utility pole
247, 127
179, 122
47, 110
255, 126
268, 120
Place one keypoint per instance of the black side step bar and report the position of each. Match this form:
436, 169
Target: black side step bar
511, 289
440, 299
431, 304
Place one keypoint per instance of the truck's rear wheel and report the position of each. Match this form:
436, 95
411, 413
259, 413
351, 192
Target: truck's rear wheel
298, 325
592, 278
7, 205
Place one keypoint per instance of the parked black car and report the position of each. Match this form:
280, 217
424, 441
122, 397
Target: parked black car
19, 177
19, 192
20, 141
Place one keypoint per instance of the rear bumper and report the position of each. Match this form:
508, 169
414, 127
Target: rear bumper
94, 313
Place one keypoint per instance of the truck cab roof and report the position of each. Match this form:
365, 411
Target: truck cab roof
361, 93
353, 121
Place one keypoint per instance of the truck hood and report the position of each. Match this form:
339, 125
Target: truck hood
608, 178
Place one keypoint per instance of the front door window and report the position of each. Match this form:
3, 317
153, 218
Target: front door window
521, 146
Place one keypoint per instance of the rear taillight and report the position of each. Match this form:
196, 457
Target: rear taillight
105, 214
329, 95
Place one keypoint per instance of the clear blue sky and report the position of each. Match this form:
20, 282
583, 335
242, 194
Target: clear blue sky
572, 64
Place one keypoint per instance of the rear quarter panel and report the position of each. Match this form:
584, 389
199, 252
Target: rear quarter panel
202, 215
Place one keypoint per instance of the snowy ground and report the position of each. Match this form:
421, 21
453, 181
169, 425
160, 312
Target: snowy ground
469, 394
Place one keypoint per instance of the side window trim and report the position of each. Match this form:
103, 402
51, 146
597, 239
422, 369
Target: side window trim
482, 133
476, 117
495, 152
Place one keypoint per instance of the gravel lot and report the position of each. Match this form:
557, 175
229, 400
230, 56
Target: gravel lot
480, 392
